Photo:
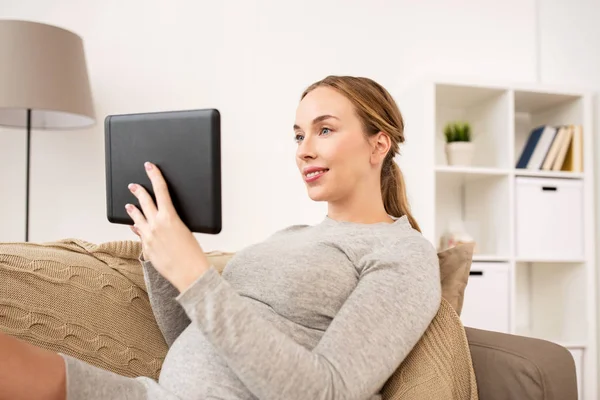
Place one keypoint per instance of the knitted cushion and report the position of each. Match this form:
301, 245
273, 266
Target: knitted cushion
455, 265
439, 366
83, 300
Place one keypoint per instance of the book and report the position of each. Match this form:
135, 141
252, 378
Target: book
573, 161
529, 147
541, 147
564, 147
557, 143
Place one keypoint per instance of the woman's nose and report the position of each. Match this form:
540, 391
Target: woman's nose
306, 149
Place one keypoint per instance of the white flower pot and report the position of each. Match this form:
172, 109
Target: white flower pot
459, 153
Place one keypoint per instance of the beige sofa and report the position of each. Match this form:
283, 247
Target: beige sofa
517, 367
90, 301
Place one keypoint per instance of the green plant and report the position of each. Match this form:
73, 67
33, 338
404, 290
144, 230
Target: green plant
457, 131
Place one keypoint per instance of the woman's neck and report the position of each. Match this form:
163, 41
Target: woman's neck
366, 209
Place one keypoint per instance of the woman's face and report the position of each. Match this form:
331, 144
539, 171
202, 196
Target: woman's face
333, 154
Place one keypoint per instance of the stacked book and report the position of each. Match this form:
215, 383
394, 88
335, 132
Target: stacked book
553, 148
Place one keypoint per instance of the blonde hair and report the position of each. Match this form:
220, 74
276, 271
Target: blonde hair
379, 113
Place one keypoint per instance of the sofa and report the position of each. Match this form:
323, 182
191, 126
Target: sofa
516, 367
89, 301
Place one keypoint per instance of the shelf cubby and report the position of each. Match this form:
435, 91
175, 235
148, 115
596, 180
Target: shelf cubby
552, 301
480, 204
534, 109
487, 111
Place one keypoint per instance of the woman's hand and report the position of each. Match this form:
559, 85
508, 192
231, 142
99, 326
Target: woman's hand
166, 241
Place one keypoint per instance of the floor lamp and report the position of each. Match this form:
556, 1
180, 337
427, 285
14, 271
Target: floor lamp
44, 82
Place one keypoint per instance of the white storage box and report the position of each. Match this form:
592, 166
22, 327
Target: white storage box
487, 297
549, 219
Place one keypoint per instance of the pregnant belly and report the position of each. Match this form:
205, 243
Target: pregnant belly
193, 369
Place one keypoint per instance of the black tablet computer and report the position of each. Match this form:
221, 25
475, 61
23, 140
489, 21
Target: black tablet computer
186, 147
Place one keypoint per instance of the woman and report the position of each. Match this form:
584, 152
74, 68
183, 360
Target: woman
314, 312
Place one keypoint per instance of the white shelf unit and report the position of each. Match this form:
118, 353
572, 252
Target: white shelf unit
545, 295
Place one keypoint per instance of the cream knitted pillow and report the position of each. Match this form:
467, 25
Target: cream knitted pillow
83, 300
439, 366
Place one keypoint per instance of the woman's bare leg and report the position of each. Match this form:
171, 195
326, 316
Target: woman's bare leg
28, 372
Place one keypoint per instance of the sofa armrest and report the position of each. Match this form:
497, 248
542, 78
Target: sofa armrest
516, 367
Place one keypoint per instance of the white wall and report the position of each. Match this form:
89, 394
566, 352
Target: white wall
250, 59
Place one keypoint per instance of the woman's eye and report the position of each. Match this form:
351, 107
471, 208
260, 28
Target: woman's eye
325, 131
298, 138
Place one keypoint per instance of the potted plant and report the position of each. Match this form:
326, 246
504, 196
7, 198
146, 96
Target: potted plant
459, 148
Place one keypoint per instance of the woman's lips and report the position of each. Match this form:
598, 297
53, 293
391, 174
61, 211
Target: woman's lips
313, 176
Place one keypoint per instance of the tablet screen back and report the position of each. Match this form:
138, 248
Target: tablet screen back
186, 147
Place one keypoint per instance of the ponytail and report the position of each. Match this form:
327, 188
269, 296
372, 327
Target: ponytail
393, 191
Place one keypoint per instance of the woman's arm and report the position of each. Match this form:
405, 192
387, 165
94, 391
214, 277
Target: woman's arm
397, 296
170, 316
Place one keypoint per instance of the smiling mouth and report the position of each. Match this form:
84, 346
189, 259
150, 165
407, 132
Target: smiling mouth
315, 173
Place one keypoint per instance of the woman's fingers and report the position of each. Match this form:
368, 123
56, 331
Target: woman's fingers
146, 202
161, 191
135, 230
138, 218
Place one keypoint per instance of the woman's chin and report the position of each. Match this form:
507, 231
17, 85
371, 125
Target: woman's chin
317, 194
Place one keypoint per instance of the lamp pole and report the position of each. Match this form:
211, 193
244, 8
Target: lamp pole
27, 175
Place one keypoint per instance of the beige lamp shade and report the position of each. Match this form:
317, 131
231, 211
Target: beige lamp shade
43, 68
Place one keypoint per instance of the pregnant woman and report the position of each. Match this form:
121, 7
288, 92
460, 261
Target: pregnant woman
314, 312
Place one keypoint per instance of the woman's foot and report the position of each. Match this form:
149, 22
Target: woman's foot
28, 372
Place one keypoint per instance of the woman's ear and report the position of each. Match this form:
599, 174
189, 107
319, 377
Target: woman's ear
380, 146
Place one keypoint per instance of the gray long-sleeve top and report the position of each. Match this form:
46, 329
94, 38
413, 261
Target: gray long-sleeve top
317, 312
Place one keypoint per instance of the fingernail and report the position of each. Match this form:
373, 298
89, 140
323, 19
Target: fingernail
148, 166
131, 187
128, 207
